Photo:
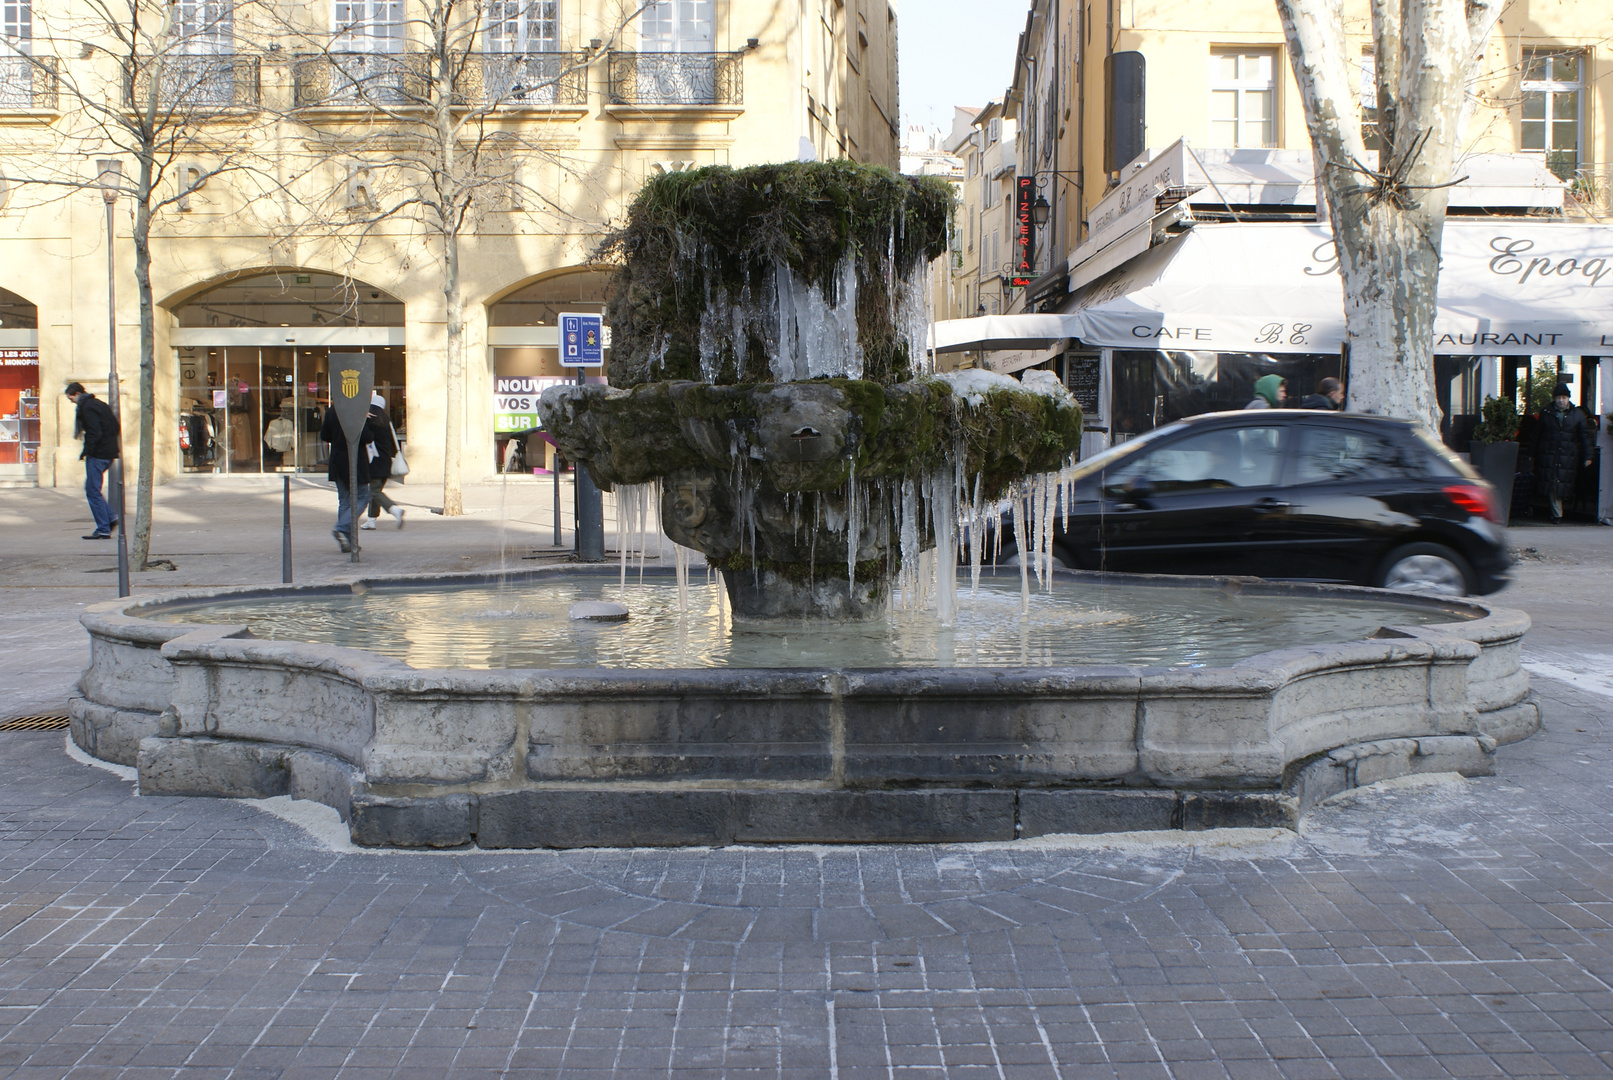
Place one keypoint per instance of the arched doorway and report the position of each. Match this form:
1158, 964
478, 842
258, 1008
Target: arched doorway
523, 338
254, 367
19, 388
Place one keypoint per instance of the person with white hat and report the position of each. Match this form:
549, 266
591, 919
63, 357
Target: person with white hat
378, 426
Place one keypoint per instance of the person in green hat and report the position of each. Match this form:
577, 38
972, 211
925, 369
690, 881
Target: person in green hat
1271, 392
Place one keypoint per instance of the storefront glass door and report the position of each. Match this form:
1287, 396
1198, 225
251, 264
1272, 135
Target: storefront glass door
252, 409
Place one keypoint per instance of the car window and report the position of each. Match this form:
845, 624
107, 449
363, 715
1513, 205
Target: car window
1329, 453
1440, 461
1223, 458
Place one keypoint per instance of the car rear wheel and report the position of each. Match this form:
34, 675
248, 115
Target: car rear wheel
1426, 568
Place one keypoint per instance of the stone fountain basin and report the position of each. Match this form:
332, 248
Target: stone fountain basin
620, 757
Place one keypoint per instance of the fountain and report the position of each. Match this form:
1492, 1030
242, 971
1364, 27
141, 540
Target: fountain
768, 372
825, 680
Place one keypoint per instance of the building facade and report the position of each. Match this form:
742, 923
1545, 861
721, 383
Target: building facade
1097, 83
311, 160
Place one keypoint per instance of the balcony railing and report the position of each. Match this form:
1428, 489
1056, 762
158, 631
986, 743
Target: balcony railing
28, 82
198, 83
1591, 187
645, 78
524, 79
357, 80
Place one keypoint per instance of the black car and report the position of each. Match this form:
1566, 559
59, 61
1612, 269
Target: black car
1285, 493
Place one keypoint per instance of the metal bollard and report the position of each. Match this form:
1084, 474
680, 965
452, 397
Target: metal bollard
557, 498
285, 533
120, 509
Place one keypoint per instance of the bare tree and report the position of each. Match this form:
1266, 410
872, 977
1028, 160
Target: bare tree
1388, 210
442, 138
151, 84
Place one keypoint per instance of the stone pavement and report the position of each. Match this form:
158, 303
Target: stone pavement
1437, 928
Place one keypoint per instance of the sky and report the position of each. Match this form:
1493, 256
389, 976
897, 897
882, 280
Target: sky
954, 52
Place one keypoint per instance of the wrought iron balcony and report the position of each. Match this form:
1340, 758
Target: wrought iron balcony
667, 78
357, 80
28, 82
534, 79
1590, 189
197, 83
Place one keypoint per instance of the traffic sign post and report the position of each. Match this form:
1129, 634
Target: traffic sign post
582, 340
582, 345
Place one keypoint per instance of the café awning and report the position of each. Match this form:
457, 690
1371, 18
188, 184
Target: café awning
1506, 287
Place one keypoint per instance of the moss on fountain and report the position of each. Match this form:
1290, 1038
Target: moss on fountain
694, 236
894, 433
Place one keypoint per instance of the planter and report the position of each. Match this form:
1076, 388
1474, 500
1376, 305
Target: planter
1497, 463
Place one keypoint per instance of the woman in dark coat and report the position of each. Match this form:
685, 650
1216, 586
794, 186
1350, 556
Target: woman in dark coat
1562, 446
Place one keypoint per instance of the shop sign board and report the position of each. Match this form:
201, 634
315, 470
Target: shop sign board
515, 401
582, 340
1024, 232
19, 357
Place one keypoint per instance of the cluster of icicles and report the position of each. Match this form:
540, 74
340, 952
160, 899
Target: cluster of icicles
808, 334
946, 503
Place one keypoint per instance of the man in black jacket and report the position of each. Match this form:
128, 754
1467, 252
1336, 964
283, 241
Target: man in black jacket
102, 437
347, 515
1563, 443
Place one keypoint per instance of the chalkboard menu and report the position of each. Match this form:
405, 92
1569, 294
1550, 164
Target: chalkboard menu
1082, 375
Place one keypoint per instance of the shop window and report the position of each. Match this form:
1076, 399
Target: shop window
1243, 98
1553, 88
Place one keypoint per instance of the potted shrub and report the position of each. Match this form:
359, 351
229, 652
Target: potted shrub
1494, 449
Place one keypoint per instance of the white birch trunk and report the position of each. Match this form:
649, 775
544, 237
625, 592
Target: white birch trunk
1388, 232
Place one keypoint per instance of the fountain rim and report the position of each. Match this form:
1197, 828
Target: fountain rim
129, 619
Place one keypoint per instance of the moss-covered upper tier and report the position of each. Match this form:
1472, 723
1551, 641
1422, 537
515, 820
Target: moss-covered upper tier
734, 275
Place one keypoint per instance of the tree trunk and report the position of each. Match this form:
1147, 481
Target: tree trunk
447, 195
453, 427
140, 549
1388, 211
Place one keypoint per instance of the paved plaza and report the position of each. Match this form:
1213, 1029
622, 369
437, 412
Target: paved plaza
1442, 927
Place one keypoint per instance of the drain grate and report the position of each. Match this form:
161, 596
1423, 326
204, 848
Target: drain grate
48, 722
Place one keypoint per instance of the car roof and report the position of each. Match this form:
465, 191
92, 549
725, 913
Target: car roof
1245, 417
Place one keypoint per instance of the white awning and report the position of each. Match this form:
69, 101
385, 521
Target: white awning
1506, 287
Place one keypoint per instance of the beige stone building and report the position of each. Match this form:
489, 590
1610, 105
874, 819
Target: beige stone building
1158, 181
290, 226
1094, 85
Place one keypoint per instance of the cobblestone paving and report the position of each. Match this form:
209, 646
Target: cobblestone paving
1447, 928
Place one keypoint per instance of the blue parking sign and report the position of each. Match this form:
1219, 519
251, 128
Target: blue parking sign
582, 340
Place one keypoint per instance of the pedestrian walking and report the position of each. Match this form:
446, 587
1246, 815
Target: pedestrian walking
1271, 392
346, 514
1562, 445
385, 442
1329, 396
103, 440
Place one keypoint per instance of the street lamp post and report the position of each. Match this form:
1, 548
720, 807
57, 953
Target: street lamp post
110, 179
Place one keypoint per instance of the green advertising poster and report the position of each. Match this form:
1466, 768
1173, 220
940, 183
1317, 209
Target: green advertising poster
515, 402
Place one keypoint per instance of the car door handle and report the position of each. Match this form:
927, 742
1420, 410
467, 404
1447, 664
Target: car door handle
1270, 506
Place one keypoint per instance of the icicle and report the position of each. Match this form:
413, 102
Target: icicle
680, 555
977, 539
1022, 503
853, 530
944, 520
